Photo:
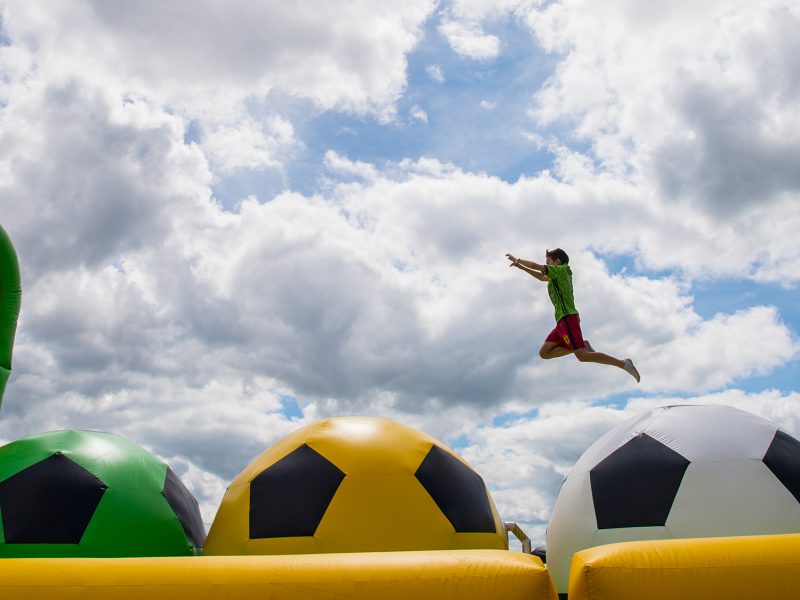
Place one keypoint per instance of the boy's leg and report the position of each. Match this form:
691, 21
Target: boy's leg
583, 351
553, 350
568, 335
583, 355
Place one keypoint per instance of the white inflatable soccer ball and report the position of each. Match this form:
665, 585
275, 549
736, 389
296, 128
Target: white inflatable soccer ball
677, 472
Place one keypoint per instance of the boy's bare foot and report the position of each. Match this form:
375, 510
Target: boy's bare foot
631, 369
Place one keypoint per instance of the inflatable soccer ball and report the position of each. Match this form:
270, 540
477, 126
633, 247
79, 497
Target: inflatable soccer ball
89, 494
355, 484
677, 472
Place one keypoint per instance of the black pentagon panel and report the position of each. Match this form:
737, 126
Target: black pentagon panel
458, 491
289, 498
185, 506
50, 502
783, 459
635, 485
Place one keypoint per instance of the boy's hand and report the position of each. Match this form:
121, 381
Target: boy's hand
513, 260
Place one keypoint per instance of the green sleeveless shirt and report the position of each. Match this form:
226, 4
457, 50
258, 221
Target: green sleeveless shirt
560, 290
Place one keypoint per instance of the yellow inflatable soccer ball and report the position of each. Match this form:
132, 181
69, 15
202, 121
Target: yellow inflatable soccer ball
355, 484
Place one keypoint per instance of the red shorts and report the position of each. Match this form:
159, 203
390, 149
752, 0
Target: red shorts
568, 333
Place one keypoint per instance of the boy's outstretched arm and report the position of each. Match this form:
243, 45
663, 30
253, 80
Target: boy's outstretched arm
530, 267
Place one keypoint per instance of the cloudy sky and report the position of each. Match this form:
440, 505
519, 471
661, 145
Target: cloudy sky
236, 218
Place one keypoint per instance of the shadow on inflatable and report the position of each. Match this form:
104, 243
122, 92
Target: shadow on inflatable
680, 502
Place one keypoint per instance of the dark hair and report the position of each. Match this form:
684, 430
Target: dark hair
558, 254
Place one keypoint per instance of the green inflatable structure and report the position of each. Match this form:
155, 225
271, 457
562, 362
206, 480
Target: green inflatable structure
10, 298
90, 494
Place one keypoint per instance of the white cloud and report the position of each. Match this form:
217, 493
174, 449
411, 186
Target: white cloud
221, 67
337, 163
203, 54
250, 145
489, 10
468, 39
101, 176
698, 106
488, 105
418, 114
435, 72
697, 114
755, 339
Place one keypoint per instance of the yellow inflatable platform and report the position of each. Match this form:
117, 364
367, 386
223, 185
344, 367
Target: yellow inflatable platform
726, 568
438, 575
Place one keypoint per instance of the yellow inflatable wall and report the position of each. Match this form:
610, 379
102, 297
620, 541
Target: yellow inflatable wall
438, 575
702, 569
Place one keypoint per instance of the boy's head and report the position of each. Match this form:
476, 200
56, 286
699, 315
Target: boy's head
558, 256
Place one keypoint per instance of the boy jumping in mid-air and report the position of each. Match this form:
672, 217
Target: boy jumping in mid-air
566, 338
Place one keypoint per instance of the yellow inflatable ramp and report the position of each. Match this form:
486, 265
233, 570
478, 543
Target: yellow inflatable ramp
690, 569
425, 575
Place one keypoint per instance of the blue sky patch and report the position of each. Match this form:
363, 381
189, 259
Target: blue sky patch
473, 114
505, 419
290, 408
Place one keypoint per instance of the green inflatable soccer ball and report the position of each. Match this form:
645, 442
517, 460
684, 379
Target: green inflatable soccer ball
90, 494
